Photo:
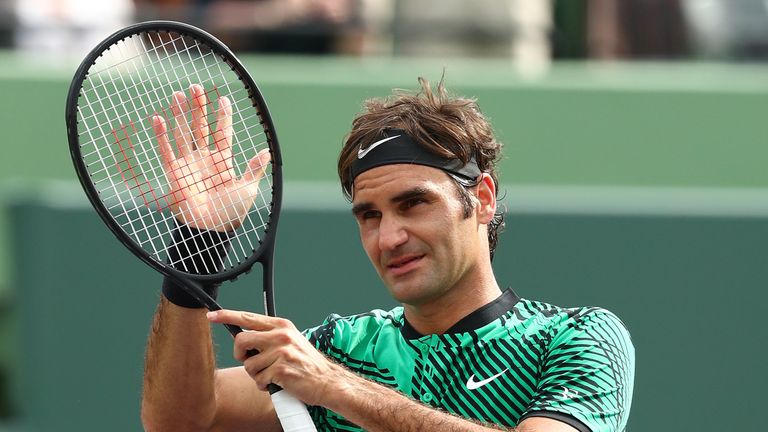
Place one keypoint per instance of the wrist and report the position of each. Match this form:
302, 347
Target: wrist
348, 391
177, 294
194, 251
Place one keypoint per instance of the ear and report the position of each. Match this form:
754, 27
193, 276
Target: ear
486, 195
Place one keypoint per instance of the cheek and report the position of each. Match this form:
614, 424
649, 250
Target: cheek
368, 239
463, 239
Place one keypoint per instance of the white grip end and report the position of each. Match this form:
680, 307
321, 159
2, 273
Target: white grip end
292, 413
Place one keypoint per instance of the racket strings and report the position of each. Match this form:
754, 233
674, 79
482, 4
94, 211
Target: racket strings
134, 81
208, 251
143, 145
105, 122
125, 154
145, 92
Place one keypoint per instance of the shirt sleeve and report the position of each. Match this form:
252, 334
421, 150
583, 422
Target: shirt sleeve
587, 374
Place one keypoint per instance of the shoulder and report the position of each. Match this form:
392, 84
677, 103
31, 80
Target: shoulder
563, 337
594, 325
587, 367
548, 332
562, 322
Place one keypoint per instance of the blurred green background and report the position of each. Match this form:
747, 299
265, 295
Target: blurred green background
635, 177
640, 189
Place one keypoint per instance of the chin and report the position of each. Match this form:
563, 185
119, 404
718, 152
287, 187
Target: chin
411, 293
401, 292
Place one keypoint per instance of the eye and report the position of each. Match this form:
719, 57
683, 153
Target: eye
413, 202
369, 214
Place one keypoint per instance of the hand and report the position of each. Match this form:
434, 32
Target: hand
204, 191
285, 358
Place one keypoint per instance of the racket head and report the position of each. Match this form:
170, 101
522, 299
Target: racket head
118, 89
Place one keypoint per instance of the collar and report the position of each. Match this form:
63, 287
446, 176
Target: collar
480, 317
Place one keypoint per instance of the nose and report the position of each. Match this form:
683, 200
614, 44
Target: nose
392, 233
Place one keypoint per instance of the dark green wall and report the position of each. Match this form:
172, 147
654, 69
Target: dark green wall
690, 288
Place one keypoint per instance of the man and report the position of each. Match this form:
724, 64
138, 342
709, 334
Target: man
461, 354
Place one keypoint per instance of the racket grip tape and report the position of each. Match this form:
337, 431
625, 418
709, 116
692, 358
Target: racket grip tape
292, 413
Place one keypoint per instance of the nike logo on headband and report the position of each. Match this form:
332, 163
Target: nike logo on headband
361, 153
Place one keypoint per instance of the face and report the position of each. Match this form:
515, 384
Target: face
413, 229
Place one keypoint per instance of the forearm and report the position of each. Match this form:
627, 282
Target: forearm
179, 371
377, 408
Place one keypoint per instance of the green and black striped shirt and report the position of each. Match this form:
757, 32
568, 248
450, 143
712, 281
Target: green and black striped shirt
511, 359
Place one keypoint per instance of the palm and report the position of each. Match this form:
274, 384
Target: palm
204, 191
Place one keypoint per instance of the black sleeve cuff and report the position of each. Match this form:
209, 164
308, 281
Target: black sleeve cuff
559, 416
198, 251
194, 251
179, 296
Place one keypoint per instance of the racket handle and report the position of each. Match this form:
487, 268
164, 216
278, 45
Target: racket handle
292, 412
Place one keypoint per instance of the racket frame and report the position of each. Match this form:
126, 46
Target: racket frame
264, 254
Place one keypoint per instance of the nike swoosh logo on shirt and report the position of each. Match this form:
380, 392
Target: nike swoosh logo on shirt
361, 153
472, 384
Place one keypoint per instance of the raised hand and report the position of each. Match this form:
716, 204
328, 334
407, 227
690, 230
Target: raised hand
204, 191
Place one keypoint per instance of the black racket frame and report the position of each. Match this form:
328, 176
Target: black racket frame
193, 282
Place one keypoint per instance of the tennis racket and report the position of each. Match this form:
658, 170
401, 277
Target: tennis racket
166, 128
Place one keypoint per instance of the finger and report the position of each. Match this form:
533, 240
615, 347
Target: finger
257, 166
181, 133
246, 320
200, 129
223, 135
247, 344
258, 368
161, 133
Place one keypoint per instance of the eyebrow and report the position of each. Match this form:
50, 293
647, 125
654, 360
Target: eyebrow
416, 192
361, 207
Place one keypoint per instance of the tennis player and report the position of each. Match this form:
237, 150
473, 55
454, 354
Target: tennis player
460, 354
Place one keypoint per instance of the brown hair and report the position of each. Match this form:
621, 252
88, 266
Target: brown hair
450, 127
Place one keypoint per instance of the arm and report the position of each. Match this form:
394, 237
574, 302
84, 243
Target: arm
287, 359
178, 371
182, 389
380, 409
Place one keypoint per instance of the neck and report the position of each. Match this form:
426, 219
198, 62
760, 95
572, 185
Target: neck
439, 315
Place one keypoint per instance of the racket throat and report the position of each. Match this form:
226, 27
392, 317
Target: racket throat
267, 264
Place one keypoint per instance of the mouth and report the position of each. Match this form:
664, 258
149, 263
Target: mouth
404, 265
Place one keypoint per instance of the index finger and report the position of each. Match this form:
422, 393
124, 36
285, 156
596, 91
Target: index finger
246, 320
